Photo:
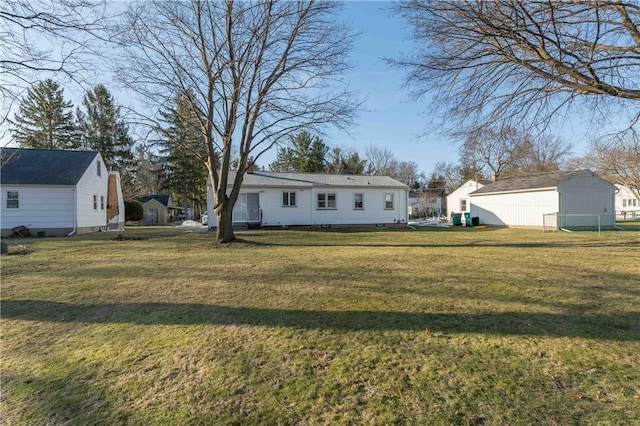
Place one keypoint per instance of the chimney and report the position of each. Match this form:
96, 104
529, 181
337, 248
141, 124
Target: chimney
250, 168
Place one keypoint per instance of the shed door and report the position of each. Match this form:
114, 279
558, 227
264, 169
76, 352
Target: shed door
152, 216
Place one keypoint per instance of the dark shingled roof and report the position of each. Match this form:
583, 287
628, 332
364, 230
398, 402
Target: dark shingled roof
44, 166
538, 181
161, 198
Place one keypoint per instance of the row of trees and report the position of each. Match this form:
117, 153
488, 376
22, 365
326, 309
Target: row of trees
173, 162
252, 73
308, 154
45, 120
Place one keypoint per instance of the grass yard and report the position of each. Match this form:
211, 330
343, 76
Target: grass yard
434, 326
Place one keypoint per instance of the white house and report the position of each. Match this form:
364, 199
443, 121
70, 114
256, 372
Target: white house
627, 203
458, 201
576, 199
54, 192
274, 199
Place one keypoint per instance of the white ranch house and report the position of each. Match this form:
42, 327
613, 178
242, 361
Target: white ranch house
55, 192
274, 199
576, 199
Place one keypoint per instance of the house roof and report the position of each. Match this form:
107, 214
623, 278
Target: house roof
307, 180
22, 166
530, 182
161, 198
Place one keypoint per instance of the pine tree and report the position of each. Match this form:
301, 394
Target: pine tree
306, 154
44, 119
348, 163
103, 129
184, 147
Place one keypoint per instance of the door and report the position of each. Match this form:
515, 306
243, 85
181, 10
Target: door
247, 208
152, 216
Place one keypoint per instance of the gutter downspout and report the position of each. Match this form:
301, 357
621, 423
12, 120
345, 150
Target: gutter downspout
75, 212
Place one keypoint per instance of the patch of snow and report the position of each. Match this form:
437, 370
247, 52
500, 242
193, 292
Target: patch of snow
436, 223
191, 224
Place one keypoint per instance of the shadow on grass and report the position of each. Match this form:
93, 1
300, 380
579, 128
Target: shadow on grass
610, 327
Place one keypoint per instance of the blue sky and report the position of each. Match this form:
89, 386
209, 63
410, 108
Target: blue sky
389, 119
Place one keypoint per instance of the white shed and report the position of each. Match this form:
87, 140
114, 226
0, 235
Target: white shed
574, 200
57, 192
274, 199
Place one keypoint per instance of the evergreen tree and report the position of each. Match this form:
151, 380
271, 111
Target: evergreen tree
103, 129
44, 119
284, 161
183, 147
341, 162
149, 173
306, 154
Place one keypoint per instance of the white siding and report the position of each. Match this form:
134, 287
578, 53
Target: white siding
89, 185
306, 212
39, 207
590, 195
628, 202
454, 199
514, 209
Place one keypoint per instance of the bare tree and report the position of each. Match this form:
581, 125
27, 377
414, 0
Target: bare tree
616, 160
380, 161
545, 153
510, 61
496, 152
259, 71
47, 38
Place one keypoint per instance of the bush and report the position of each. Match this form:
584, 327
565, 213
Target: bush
133, 210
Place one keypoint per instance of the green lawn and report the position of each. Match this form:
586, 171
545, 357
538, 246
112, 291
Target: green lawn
434, 326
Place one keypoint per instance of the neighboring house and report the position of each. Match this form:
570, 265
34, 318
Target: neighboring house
574, 200
158, 209
458, 201
627, 203
274, 199
55, 192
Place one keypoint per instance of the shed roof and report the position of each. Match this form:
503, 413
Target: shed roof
530, 182
161, 198
21, 166
307, 180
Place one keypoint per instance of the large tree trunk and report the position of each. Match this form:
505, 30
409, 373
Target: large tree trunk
224, 231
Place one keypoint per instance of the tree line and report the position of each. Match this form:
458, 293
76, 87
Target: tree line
244, 78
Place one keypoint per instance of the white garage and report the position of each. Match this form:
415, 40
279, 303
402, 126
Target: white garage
572, 200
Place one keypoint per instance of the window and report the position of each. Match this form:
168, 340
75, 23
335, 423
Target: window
463, 205
358, 201
13, 201
326, 200
388, 201
102, 202
635, 202
99, 168
95, 202
288, 199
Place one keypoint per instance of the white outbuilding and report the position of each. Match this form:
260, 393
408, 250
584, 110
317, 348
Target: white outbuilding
572, 200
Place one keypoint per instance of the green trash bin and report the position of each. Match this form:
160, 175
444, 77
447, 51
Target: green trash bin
475, 221
456, 219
